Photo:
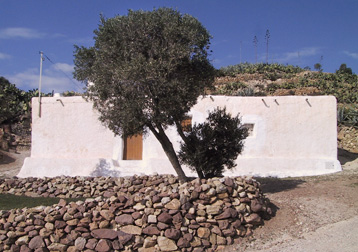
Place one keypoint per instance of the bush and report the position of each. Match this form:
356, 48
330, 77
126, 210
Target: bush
348, 115
214, 145
231, 88
13, 102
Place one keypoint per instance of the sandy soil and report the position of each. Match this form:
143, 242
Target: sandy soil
311, 213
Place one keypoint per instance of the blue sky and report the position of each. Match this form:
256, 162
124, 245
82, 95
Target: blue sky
302, 32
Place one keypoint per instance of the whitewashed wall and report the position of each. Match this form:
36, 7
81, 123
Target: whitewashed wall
292, 136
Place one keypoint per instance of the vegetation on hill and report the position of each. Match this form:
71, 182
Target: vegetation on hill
279, 70
276, 79
13, 102
267, 79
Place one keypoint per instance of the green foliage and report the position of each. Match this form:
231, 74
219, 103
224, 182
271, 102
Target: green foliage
318, 67
273, 71
248, 92
13, 102
70, 93
230, 88
343, 84
148, 69
343, 69
214, 145
348, 115
10, 201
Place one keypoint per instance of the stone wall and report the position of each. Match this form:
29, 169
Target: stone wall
140, 213
348, 138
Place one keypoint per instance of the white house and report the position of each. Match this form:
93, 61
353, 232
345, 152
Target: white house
289, 136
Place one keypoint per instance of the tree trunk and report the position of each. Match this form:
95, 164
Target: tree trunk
185, 139
170, 152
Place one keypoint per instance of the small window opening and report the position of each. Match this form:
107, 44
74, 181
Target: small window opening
250, 128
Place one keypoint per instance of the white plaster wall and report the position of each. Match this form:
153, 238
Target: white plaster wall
292, 136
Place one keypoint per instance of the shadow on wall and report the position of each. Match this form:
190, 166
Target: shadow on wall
104, 169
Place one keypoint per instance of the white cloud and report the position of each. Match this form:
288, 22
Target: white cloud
4, 56
20, 32
52, 79
300, 53
350, 54
64, 67
86, 41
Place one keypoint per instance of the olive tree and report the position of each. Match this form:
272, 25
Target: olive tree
145, 71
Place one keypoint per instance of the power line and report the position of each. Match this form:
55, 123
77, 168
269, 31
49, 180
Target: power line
68, 77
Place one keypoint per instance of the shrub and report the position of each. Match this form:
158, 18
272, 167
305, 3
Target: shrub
231, 88
212, 146
348, 115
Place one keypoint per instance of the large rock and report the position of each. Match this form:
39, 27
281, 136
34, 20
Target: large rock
256, 206
173, 205
151, 230
253, 219
125, 219
131, 229
228, 213
166, 244
203, 232
124, 237
172, 233
104, 233
213, 209
165, 218
57, 247
103, 245
106, 214
36, 242
80, 243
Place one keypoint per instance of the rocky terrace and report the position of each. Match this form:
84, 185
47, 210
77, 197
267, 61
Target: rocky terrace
140, 213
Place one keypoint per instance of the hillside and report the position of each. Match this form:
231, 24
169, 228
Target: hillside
279, 80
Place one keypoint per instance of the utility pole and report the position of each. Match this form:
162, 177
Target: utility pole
41, 59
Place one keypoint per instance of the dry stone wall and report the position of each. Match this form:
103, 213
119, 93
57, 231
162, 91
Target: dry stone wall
348, 138
140, 213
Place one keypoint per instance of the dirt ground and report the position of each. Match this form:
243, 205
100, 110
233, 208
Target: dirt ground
311, 213
12, 161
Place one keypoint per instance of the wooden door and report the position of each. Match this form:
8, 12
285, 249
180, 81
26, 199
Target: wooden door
133, 148
186, 124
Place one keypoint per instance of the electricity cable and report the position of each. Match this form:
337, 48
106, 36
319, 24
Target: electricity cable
68, 77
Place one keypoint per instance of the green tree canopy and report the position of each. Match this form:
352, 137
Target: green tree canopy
343, 69
13, 102
148, 69
318, 67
